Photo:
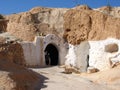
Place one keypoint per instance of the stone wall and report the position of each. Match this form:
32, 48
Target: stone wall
77, 56
59, 43
34, 51
99, 58
92, 54
82, 53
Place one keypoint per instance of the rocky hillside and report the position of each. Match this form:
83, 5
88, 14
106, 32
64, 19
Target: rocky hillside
3, 24
83, 23
37, 21
12, 52
75, 24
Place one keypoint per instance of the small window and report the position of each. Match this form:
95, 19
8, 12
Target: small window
111, 48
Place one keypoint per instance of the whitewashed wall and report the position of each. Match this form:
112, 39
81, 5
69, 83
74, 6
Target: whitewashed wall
74, 55
34, 51
98, 57
77, 56
82, 52
71, 56
59, 44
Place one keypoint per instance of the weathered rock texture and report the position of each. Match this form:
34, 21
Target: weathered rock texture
37, 21
13, 52
112, 11
15, 77
3, 23
79, 24
82, 24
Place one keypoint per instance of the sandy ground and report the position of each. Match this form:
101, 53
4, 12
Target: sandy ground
57, 80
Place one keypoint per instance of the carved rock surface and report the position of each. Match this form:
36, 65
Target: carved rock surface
87, 24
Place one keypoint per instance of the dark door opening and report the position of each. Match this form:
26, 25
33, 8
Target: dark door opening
51, 55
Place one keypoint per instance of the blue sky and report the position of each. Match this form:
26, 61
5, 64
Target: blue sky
16, 6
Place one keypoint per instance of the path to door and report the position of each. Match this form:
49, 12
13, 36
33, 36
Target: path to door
60, 81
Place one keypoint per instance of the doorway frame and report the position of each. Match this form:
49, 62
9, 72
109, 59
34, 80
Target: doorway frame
57, 48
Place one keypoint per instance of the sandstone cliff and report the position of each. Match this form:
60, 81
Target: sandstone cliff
75, 25
86, 24
37, 21
12, 52
3, 23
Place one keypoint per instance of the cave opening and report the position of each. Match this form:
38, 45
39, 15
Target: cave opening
51, 55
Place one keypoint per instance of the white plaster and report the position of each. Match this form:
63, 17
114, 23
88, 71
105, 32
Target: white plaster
59, 44
114, 60
82, 52
34, 51
77, 56
71, 56
98, 57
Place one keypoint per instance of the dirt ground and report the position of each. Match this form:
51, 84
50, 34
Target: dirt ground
57, 80
15, 77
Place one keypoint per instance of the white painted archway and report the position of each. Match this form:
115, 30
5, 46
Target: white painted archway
59, 44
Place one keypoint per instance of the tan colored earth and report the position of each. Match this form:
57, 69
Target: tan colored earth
86, 24
12, 52
37, 21
105, 80
15, 77
75, 25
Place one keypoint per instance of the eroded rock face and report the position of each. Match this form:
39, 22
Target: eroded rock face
86, 24
80, 23
37, 21
3, 24
112, 11
12, 52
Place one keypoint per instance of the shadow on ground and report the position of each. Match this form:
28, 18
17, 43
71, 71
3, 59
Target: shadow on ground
24, 79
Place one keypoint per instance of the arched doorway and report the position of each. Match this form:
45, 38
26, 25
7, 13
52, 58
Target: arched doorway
51, 55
